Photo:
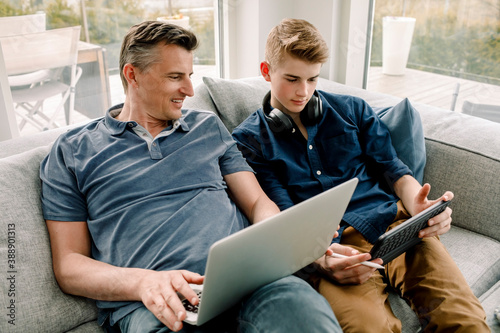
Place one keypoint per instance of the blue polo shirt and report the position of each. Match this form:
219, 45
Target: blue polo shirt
155, 203
349, 141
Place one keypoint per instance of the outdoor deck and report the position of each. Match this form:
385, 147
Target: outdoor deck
432, 89
418, 86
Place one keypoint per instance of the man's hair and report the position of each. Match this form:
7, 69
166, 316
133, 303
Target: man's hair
297, 38
139, 46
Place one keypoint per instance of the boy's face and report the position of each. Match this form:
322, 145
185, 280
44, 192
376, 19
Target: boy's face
293, 83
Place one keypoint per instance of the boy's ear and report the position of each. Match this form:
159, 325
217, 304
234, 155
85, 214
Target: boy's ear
264, 70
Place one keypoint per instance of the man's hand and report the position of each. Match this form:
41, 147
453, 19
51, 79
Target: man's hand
158, 292
440, 223
77, 273
346, 270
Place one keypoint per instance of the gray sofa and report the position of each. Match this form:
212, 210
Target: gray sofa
463, 155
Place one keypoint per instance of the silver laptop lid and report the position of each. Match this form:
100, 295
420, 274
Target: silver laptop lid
271, 249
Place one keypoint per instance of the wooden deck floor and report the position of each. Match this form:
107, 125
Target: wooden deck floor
418, 86
432, 89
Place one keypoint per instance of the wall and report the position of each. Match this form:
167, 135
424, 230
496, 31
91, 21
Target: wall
343, 23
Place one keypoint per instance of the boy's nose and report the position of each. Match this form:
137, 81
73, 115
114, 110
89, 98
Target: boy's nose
302, 90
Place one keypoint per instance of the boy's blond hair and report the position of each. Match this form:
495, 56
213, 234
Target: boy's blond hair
297, 38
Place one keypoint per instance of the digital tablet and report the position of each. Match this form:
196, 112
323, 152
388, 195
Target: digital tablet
398, 240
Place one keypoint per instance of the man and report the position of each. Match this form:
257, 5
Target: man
134, 200
302, 142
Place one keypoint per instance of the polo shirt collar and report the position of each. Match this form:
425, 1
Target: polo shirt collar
117, 127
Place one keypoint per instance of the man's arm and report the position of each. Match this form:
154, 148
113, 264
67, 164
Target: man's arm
414, 198
77, 273
246, 192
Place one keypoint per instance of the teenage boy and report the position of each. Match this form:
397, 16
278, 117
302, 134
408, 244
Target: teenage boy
302, 142
134, 200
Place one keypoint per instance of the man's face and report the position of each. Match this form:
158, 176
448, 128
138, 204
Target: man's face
162, 88
293, 83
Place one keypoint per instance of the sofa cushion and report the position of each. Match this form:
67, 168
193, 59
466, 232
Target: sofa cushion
28, 142
490, 301
28, 282
201, 100
407, 135
476, 257
92, 326
473, 178
404, 313
235, 100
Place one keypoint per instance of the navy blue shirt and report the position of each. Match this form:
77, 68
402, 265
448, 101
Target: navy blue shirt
154, 203
349, 141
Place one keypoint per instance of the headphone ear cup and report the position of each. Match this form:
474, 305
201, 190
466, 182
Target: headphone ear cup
313, 111
279, 122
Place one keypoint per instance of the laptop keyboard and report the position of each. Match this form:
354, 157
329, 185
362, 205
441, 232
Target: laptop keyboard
190, 307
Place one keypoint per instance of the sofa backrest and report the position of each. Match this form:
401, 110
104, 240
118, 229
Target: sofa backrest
28, 142
462, 152
463, 155
31, 298
232, 100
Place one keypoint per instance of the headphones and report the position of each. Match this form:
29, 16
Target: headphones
279, 121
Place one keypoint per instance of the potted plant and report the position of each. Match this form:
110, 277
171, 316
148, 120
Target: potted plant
397, 33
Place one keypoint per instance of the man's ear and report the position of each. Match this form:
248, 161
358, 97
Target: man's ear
129, 74
264, 70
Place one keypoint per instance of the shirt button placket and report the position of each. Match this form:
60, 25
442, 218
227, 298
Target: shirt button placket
311, 148
155, 150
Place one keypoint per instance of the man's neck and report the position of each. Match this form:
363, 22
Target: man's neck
153, 126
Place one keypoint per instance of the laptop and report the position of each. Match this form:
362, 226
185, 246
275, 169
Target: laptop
267, 251
400, 239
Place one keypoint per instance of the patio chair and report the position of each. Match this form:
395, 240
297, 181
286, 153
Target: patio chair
35, 64
22, 24
486, 111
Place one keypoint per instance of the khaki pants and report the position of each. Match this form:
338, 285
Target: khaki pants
426, 276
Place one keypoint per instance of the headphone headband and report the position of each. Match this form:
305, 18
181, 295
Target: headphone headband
279, 121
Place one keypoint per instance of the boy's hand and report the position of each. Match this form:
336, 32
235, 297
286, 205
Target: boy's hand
346, 270
438, 224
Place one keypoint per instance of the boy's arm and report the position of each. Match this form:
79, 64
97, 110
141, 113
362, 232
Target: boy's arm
414, 198
272, 186
406, 187
265, 175
77, 273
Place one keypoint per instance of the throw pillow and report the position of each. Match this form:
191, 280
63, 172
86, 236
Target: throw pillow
407, 135
235, 100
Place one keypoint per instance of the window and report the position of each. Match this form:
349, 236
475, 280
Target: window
454, 54
103, 25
